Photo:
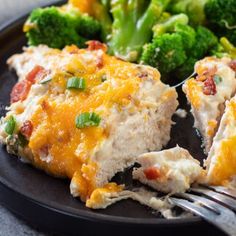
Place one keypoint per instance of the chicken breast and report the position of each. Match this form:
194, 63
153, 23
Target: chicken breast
215, 83
85, 115
221, 161
168, 171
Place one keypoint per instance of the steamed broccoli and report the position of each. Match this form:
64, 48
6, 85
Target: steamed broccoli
224, 48
101, 11
176, 23
193, 9
168, 23
205, 41
168, 48
187, 34
176, 46
57, 28
165, 52
221, 16
132, 25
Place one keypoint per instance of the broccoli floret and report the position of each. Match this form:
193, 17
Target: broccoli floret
165, 52
101, 11
176, 23
221, 17
224, 48
57, 28
194, 10
132, 26
205, 41
173, 40
188, 35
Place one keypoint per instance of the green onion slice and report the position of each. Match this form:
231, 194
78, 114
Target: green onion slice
87, 119
10, 125
76, 83
217, 79
45, 80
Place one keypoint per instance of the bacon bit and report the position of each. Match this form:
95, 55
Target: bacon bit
20, 91
143, 74
96, 45
129, 97
232, 65
207, 73
100, 62
27, 128
209, 87
152, 173
31, 76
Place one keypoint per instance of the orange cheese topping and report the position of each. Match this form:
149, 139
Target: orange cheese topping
193, 89
225, 166
211, 127
232, 108
98, 195
57, 145
85, 6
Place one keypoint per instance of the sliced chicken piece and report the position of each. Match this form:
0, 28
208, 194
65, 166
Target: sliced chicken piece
214, 84
168, 171
221, 161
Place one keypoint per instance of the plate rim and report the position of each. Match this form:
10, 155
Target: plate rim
5, 29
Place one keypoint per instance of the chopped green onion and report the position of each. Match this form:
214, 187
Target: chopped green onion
10, 125
76, 83
45, 80
217, 79
87, 119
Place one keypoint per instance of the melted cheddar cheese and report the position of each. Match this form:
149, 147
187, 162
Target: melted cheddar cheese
57, 145
222, 158
193, 90
225, 165
211, 127
85, 6
99, 196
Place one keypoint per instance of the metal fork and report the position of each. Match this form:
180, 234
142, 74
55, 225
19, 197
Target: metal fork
214, 204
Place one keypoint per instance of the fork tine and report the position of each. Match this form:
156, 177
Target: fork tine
223, 199
204, 201
194, 208
226, 221
227, 191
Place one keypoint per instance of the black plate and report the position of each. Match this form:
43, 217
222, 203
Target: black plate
46, 202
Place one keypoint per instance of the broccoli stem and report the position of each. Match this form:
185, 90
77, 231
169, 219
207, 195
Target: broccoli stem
169, 24
194, 10
228, 47
101, 13
132, 26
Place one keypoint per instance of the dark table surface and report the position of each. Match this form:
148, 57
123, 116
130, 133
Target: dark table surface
9, 224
